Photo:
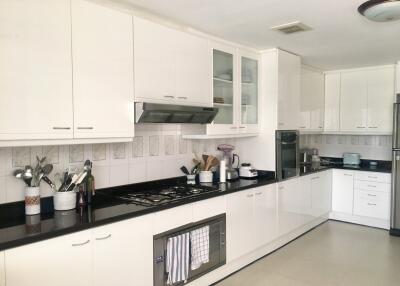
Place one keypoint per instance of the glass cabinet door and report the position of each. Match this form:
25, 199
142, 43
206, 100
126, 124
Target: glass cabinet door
223, 87
249, 91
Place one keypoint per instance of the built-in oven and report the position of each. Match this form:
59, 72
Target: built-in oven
209, 245
287, 154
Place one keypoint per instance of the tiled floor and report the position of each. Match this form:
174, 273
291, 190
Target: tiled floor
334, 253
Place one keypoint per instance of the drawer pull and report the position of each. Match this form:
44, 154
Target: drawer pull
302, 127
233, 127
371, 186
250, 195
169, 96
80, 244
61, 128
315, 178
360, 127
104, 238
371, 195
348, 175
373, 127
370, 204
242, 127
372, 177
259, 193
85, 128
182, 97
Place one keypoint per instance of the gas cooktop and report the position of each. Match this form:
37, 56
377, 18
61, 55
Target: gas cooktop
163, 195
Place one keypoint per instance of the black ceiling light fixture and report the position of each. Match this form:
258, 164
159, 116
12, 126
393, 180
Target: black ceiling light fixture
381, 10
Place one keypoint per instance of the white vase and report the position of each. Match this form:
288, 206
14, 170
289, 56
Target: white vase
64, 201
206, 177
32, 200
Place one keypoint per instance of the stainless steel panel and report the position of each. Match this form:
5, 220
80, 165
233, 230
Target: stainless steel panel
395, 206
287, 144
396, 126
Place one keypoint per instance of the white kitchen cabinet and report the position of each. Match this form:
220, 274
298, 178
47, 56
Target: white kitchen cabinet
289, 74
2, 270
240, 224
123, 253
381, 96
332, 102
62, 261
321, 185
209, 208
171, 66
311, 100
342, 191
353, 101
372, 204
35, 73
172, 218
102, 52
251, 220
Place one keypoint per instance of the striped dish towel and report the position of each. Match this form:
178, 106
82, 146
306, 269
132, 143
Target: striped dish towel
200, 246
178, 258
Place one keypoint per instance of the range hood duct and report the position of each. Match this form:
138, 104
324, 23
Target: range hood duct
167, 113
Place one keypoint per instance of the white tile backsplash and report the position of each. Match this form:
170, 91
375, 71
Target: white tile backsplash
370, 147
157, 152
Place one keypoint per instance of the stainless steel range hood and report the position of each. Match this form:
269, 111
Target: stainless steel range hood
166, 113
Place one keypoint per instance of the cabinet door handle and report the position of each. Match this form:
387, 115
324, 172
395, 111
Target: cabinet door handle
169, 96
259, 193
80, 244
250, 195
348, 175
242, 127
320, 127
182, 97
85, 128
360, 127
373, 127
371, 195
281, 188
103, 238
372, 177
302, 127
61, 128
233, 127
371, 204
315, 178
371, 186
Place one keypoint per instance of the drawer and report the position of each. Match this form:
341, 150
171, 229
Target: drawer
373, 177
209, 208
372, 186
372, 204
172, 218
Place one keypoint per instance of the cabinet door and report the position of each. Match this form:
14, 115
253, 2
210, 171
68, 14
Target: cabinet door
122, 255
102, 48
289, 73
381, 96
2, 270
35, 73
240, 224
224, 90
332, 102
342, 191
290, 206
154, 71
353, 102
249, 90
320, 193
193, 66
62, 261
265, 215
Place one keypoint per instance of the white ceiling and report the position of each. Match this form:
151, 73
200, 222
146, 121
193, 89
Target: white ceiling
341, 37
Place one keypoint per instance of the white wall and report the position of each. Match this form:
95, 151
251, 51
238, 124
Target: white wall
370, 147
158, 151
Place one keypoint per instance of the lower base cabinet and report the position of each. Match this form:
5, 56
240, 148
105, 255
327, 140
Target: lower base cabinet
115, 254
251, 220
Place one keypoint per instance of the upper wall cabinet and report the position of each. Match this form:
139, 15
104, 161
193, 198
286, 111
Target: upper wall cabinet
311, 100
289, 74
36, 71
171, 66
102, 51
366, 100
332, 102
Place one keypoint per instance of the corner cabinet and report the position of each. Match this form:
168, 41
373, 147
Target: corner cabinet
171, 66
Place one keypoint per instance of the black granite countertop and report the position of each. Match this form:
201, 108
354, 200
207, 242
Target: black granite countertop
16, 229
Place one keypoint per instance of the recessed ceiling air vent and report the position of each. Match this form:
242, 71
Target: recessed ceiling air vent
291, 28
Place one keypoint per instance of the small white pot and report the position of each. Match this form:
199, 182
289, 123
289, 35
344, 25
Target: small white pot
206, 177
32, 200
64, 201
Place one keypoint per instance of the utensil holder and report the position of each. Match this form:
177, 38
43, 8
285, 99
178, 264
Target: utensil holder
206, 177
64, 201
32, 200
191, 179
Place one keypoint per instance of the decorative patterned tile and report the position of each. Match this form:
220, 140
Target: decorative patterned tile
52, 154
183, 145
154, 145
342, 140
169, 145
367, 140
99, 152
118, 151
21, 156
76, 153
355, 140
329, 139
137, 147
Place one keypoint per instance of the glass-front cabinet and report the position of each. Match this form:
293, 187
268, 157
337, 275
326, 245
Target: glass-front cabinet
235, 85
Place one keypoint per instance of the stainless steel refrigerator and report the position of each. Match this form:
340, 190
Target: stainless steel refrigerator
395, 207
